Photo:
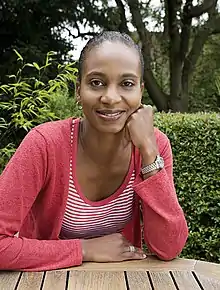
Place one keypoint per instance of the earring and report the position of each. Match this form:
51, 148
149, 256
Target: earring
78, 105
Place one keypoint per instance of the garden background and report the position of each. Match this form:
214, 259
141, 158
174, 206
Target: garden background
180, 43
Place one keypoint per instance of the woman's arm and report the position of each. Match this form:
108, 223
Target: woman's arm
20, 183
165, 228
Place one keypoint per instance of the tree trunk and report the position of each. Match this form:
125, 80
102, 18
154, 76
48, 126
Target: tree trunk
159, 98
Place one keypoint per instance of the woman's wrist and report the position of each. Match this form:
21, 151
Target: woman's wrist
84, 250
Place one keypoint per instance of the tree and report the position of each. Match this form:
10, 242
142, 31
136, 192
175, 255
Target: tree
184, 42
173, 48
34, 27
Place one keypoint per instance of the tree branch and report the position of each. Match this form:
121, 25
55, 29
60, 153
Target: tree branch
123, 24
165, 20
198, 10
144, 34
186, 29
203, 33
155, 92
216, 26
80, 34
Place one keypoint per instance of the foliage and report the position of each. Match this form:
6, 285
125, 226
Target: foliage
24, 102
5, 154
195, 142
34, 27
204, 94
171, 48
64, 105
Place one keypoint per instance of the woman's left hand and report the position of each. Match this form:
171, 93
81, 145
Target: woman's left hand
141, 132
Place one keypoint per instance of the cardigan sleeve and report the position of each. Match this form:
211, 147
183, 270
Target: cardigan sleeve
20, 184
165, 228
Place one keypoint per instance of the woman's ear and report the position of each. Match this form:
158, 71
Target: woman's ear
142, 88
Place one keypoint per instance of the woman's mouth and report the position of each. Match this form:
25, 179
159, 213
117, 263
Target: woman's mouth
109, 115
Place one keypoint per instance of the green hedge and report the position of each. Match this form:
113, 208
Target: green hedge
195, 142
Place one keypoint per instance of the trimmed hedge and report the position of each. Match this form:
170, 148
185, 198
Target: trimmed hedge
195, 142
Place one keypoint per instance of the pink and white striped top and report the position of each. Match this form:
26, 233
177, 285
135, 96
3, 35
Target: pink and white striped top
87, 219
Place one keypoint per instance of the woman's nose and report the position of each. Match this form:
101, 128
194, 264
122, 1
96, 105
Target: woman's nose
111, 96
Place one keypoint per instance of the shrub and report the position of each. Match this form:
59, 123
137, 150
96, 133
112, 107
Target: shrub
195, 142
5, 155
24, 101
64, 105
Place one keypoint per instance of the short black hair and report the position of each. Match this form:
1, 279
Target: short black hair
111, 36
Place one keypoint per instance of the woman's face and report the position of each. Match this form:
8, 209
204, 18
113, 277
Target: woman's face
110, 89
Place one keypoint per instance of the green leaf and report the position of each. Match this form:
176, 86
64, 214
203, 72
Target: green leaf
18, 54
36, 66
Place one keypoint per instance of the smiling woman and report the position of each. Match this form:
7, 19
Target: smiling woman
73, 189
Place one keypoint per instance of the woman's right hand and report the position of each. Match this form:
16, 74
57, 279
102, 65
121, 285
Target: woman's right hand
110, 248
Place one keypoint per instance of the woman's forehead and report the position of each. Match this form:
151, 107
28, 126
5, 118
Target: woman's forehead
114, 56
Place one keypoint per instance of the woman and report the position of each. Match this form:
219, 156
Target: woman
73, 188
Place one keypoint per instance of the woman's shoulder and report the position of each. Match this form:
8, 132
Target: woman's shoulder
55, 130
53, 126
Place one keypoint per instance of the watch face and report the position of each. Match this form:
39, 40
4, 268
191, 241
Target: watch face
160, 162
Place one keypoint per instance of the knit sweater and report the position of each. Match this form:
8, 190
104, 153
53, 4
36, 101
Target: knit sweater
33, 196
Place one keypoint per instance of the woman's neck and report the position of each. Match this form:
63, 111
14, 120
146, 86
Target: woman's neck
102, 148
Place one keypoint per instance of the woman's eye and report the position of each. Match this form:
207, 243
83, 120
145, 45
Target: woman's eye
96, 83
128, 84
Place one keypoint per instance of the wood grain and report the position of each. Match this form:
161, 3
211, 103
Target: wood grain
55, 280
211, 270
150, 263
162, 280
185, 280
138, 280
207, 282
30, 280
8, 280
83, 280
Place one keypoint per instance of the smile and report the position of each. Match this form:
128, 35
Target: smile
109, 115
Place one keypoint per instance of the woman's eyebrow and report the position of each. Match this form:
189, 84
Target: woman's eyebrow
129, 75
101, 74
96, 73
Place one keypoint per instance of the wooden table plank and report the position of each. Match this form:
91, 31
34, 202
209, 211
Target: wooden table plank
83, 280
55, 280
8, 280
138, 280
30, 280
185, 280
209, 269
162, 280
207, 282
150, 263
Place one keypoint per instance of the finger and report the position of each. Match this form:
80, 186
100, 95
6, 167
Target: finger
133, 256
132, 249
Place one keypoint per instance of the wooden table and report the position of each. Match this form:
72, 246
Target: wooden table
133, 275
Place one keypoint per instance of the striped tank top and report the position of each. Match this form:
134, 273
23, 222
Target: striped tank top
85, 219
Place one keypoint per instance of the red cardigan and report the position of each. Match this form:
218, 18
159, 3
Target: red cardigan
33, 196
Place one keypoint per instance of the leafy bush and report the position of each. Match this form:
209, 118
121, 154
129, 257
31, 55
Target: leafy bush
5, 155
25, 101
195, 141
64, 105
